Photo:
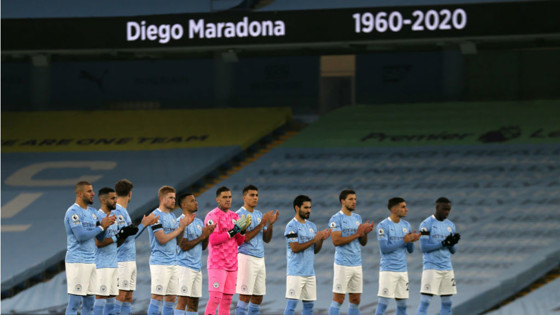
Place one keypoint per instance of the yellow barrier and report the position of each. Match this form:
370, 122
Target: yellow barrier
137, 129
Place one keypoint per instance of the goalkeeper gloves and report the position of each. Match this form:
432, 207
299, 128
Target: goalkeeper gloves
240, 225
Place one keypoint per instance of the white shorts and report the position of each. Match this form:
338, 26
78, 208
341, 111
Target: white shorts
126, 279
107, 281
165, 279
251, 275
438, 282
347, 279
301, 288
393, 285
190, 282
81, 278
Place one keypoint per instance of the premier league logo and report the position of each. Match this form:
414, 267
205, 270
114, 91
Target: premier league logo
121, 219
381, 232
332, 225
210, 222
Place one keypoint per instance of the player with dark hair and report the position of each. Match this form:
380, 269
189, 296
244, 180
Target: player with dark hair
395, 240
223, 243
82, 226
348, 233
303, 242
195, 240
251, 275
438, 242
126, 251
106, 256
164, 236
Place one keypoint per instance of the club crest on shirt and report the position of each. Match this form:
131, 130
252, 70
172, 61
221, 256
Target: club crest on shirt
449, 229
94, 216
259, 220
198, 227
210, 222
357, 222
332, 225
233, 221
404, 230
310, 230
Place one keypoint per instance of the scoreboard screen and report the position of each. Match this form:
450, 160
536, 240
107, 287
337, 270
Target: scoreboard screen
232, 29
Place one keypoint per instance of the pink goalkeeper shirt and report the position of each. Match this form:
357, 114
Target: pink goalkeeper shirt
222, 250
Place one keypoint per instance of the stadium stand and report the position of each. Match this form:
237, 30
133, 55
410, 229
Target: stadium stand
542, 301
498, 163
151, 148
14, 9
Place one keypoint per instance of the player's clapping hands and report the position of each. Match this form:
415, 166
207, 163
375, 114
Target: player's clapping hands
207, 230
411, 237
273, 216
149, 219
108, 220
365, 228
323, 235
186, 220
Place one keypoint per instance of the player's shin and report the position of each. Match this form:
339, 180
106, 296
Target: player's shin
424, 304
446, 305
335, 308
73, 304
254, 309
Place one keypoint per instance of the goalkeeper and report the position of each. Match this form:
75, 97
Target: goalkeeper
228, 235
437, 242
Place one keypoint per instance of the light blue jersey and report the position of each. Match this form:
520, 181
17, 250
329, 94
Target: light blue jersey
435, 255
349, 254
300, 264
192, 257
106, 257
79, 218
163, 254
255, 247
392, 246
127, 251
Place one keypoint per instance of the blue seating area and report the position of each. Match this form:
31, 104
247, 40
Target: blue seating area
501, 196
543, 301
